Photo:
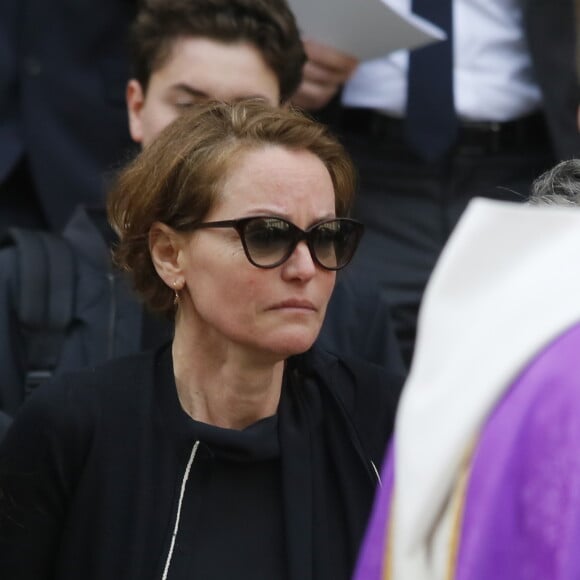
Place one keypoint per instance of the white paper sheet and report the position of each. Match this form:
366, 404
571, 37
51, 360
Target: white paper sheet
365, 29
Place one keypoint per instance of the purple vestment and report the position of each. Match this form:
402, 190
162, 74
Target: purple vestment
521, 518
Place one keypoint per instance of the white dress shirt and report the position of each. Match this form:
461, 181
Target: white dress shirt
493, 75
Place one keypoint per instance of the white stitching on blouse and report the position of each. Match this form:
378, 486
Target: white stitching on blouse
178, 516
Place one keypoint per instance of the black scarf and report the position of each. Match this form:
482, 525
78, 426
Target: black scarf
328, 478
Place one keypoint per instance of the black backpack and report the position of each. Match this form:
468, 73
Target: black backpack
43, 297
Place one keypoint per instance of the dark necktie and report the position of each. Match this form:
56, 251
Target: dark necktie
431, 123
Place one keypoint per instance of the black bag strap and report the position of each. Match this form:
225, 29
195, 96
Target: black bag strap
43, 298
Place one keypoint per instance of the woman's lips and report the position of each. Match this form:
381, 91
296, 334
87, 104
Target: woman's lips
294, 304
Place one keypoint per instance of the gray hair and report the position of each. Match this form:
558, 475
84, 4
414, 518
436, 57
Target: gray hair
558, 186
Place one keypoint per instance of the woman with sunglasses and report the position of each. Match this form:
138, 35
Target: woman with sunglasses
237, 450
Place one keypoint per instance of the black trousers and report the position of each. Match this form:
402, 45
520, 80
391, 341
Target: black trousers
410, 206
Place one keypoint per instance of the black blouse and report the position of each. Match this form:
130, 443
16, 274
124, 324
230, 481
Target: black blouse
231, 518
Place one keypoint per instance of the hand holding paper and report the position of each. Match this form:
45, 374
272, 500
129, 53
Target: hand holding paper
325, 71
363, 29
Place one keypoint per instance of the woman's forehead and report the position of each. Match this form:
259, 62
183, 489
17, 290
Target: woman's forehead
279, 179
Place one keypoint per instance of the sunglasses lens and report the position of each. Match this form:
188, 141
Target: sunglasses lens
335, 242
268, 240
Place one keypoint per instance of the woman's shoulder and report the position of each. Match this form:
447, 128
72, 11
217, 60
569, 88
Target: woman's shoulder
353, 377
367, 393
118, 373
62, 418
93, 390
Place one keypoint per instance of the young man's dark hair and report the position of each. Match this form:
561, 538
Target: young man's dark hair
269, 25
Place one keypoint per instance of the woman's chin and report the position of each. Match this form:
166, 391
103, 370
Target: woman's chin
291, 343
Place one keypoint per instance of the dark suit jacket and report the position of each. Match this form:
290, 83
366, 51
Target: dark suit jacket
551, 32
5, 421
63, 69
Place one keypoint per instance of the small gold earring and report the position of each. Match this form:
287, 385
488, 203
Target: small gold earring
176, 298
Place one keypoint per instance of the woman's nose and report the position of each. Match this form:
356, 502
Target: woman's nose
300, 264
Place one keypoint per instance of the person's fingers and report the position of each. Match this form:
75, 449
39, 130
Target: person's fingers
317, 74
322, 76
313, 96
330, 58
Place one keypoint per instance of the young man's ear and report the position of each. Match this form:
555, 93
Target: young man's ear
135, 98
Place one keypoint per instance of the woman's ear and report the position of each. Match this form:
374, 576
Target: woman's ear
165, 246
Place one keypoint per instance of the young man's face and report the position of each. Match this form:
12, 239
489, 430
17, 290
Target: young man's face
197, 69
